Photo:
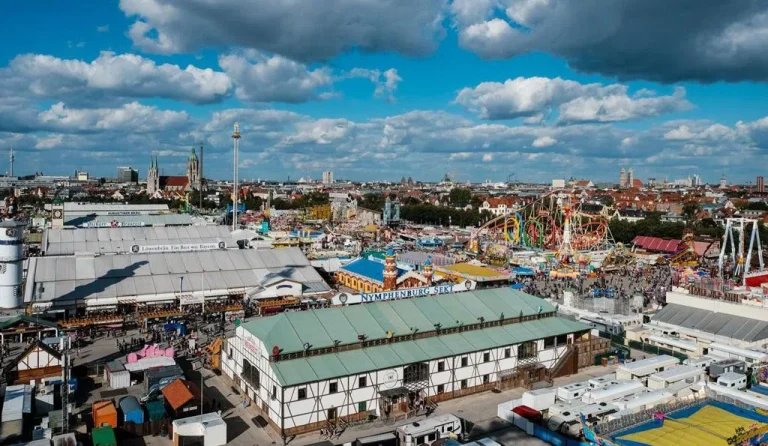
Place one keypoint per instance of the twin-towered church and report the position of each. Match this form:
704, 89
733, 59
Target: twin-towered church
157, 183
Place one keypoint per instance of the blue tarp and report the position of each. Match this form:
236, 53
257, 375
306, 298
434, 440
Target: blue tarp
132, 411
520, 271
176, 326
555, 438
517, 286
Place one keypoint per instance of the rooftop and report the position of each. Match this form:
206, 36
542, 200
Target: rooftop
718, 324
475, 272
130, 275
678, 372
653, 361
370, 269
110, 207
120, 240
352, 362
106, 221
320, 328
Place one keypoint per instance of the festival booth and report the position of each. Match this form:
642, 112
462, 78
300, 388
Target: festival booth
521, 271
563, 274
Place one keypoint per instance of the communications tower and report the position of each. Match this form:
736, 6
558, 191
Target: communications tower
235, 189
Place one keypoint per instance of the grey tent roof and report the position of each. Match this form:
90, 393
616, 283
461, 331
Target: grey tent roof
130, 275
59, 242
105, 221
73, 206
719, 324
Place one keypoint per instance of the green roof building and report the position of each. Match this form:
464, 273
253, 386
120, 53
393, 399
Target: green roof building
304, 369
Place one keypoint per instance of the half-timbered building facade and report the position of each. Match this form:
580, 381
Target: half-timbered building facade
316, 369
36, 362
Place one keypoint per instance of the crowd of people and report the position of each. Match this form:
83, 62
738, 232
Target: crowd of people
652, 283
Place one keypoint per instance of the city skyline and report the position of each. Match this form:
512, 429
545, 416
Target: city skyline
418, 88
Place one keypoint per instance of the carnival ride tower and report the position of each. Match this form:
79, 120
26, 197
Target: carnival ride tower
739, 255
565, 250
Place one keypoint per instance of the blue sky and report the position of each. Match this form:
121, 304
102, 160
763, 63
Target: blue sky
377, 91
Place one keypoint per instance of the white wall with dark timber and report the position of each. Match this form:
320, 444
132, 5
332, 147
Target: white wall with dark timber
307, 403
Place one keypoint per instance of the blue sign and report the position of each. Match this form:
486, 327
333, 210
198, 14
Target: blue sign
240, 208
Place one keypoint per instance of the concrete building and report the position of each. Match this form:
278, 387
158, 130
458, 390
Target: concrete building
328, 177
307, 370
127, 175
760, 183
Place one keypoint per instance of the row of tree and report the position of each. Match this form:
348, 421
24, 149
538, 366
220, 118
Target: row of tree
441, 215
625, 231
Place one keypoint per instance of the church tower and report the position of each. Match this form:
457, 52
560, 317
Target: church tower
153, 177
193, 170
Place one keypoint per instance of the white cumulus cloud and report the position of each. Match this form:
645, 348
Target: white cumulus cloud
544, 141
575, 102
260, 78
113, 75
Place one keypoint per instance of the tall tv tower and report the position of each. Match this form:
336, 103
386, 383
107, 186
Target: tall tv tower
235, 190
13, 158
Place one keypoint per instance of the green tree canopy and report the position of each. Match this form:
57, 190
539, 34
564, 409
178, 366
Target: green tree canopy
460, 196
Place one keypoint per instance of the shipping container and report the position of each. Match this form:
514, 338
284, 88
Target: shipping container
540, 399
156, 410
116, 376
132, 411
211, 425
17, 408
103, 436
104, 414
153, 377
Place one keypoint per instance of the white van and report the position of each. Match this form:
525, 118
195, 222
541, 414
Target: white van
733, 380
429, 430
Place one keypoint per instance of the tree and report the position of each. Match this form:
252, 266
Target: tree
690, 210
374, 202
757, 206
441, 215
460, 197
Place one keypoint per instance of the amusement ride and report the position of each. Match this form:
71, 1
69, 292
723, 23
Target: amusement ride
736, 256
555, 223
